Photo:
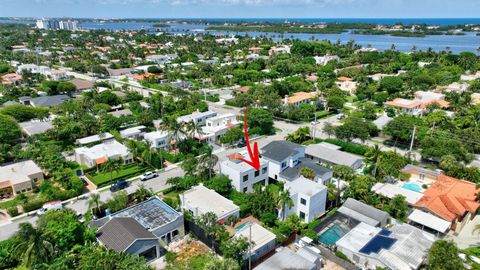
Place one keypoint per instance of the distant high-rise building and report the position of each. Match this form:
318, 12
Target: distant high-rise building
50, 24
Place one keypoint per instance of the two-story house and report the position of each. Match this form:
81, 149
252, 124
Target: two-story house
309, 199
216, 127
244, 177
286, 160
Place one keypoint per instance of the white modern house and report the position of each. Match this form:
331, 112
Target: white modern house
200, 200
95, 138
133, 133
199, 118
101, 153
309, 199
323, 60
244, 177
281, 155
157, 139
217, 126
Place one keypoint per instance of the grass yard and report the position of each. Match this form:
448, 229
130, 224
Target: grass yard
102, 179
9, 203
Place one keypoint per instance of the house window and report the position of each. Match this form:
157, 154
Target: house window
174, 233
284, 164
245, 178
245, 189
264, 170
257, 173
303, 201
302, 215
35, 180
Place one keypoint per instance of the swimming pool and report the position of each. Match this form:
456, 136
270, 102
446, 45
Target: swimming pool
332, 235
413, 187
240, 227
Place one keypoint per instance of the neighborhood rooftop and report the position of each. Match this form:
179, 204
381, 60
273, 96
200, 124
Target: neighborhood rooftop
151, 214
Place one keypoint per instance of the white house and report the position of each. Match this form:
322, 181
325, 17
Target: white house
309, 199
217, 126
19, 177
347, 84
133, 132
244, 177
323, 60
95, 138
200, 118
101, 153
262, 240
400, 247
157, 139
281, 155
200, 200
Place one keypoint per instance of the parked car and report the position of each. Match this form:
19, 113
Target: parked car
340, 116
148, 175
80, 217
53, 205
118, 186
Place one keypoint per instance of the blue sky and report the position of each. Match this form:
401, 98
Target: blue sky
242, 8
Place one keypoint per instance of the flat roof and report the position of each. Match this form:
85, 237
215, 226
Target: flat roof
286, 259
390, 191
95, 138
207, 200
429, 220
241, 166
304, 186
36, 126
151, 214
260, 235
334, 156
18, 172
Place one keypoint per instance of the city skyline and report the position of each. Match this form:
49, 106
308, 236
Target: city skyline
241, 9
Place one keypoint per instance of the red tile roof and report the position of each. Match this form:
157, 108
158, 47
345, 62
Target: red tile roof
450, 198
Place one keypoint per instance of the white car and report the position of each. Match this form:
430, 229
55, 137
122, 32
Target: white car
148, 175
54, 205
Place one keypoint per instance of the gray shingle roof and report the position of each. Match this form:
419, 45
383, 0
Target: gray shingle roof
49, 101
292, 173
363, 212
330, 155
121, 232
280, 150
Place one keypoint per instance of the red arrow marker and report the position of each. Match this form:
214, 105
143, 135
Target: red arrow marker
254, 156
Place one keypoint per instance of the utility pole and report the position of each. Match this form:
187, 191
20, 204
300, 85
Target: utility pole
250, 247
413, 138
314, 126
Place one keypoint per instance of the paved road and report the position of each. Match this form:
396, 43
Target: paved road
156, 184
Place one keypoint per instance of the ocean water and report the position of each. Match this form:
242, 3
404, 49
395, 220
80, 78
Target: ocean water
469, 42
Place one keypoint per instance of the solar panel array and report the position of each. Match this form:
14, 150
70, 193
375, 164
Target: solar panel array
377, 243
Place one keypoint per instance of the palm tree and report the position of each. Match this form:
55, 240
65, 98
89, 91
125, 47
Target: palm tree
283, 201
208, 160
219, 263
175, 129
142, 193
111, 166
193, 128
307, 172
342, 172
373, 156
94, 201
135, 149
34, 246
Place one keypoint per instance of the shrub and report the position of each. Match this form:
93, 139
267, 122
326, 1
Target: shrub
342, 256
13, 211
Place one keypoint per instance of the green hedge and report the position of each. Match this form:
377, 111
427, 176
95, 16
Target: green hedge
349, 147
128, 171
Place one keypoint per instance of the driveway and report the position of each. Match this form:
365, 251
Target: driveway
467, 236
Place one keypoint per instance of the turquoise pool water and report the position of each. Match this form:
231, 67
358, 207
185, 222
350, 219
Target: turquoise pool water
240, 227
412, 186
332, 235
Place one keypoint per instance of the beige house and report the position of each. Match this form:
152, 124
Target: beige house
18, 178
418, 173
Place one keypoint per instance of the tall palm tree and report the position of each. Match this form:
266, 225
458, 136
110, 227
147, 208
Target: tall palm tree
175, 130
208, 160
342, 172
111, 166
34, 246
193, 128
373, 157
94, 201
283, 201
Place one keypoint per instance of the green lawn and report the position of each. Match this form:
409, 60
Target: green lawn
8, 204
102, 179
